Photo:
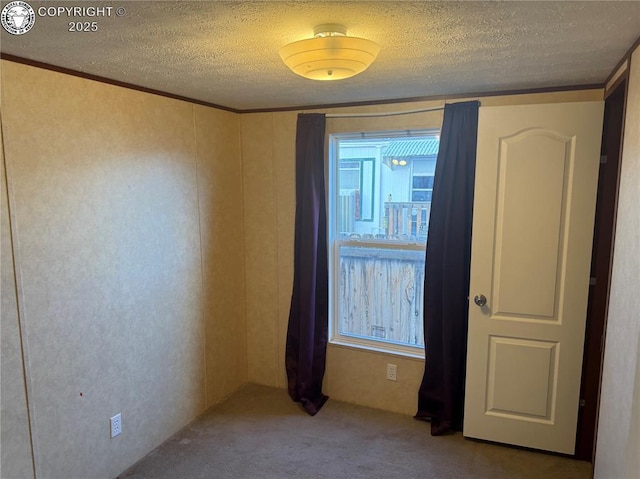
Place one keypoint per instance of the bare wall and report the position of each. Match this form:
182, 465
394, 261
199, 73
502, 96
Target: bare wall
219, 173
126, 215
268, 156
154, 264
16, 458
618, 440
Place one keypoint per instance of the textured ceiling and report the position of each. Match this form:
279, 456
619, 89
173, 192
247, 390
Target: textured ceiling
227, 52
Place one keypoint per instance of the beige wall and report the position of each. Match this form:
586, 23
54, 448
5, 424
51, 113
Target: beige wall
154, 264
219, 175
127, 225
268, 145
618, 441
14, 426
268, 156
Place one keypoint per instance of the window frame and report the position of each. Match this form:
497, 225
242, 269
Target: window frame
334, 243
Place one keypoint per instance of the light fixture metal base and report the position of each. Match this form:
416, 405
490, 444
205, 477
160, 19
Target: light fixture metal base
329, 30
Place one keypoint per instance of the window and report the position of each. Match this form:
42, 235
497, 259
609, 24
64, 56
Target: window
356, 178
379, 203
422, 188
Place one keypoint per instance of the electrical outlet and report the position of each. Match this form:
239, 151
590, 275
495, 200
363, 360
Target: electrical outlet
392, 372
116, 425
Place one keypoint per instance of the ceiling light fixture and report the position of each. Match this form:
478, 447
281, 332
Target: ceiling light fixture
330, 54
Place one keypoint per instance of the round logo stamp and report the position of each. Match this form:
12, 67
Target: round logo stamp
17, 17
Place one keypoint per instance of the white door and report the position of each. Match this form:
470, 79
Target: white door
535, 194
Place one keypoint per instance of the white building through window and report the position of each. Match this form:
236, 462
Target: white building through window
380, 188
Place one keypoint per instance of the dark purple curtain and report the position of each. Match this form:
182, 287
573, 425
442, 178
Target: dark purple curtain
448, 257
308, 319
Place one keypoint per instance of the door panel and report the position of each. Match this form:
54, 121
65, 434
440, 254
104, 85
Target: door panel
530, 193
522, 378
536, 178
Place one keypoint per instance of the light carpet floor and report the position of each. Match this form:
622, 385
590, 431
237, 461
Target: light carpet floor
259, 432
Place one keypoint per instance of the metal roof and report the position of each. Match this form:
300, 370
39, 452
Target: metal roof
412, 148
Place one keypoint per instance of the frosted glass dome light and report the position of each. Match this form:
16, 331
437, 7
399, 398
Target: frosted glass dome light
330, 54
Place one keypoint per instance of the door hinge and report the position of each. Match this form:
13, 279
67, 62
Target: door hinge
592, 281
582, 402
603, 159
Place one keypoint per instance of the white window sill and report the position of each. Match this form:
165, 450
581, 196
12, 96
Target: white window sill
387, 349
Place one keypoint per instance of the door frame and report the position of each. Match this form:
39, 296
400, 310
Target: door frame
601, 265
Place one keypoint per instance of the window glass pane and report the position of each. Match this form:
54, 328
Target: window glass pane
421, 195
381, 190
423, 182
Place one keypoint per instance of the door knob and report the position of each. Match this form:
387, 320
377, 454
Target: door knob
480, 299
